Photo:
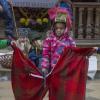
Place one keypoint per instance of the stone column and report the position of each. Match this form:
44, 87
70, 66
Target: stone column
97, 22
80, 25
89, 21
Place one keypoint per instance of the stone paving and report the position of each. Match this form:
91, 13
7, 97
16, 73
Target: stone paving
93, 90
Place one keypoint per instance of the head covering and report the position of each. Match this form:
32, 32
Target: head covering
61, 13
34, 35
23, 32
66, 4
61, 17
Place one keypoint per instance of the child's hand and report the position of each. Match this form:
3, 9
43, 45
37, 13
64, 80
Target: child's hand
38, 44
13, 42
23, 44
97, 49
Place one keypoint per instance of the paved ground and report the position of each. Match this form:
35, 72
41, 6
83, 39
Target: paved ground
93, 90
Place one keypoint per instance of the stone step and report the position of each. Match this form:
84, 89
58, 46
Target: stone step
88, 43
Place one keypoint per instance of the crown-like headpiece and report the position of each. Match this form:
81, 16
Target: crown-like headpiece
61, 17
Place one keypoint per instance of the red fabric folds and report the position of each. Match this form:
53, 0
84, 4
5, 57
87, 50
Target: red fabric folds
66, 82
25, 87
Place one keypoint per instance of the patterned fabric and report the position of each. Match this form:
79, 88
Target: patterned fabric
66, 82
7, 14
68, 5
61, 17
52, 49
35, 57
53, 45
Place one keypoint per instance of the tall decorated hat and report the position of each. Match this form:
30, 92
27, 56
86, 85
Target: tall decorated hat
60, 17
62, 12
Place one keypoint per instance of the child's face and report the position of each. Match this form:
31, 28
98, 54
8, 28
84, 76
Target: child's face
59, 28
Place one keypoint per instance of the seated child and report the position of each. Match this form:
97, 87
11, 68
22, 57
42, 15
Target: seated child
35, 52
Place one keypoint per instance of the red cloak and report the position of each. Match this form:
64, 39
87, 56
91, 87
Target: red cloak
67, 81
